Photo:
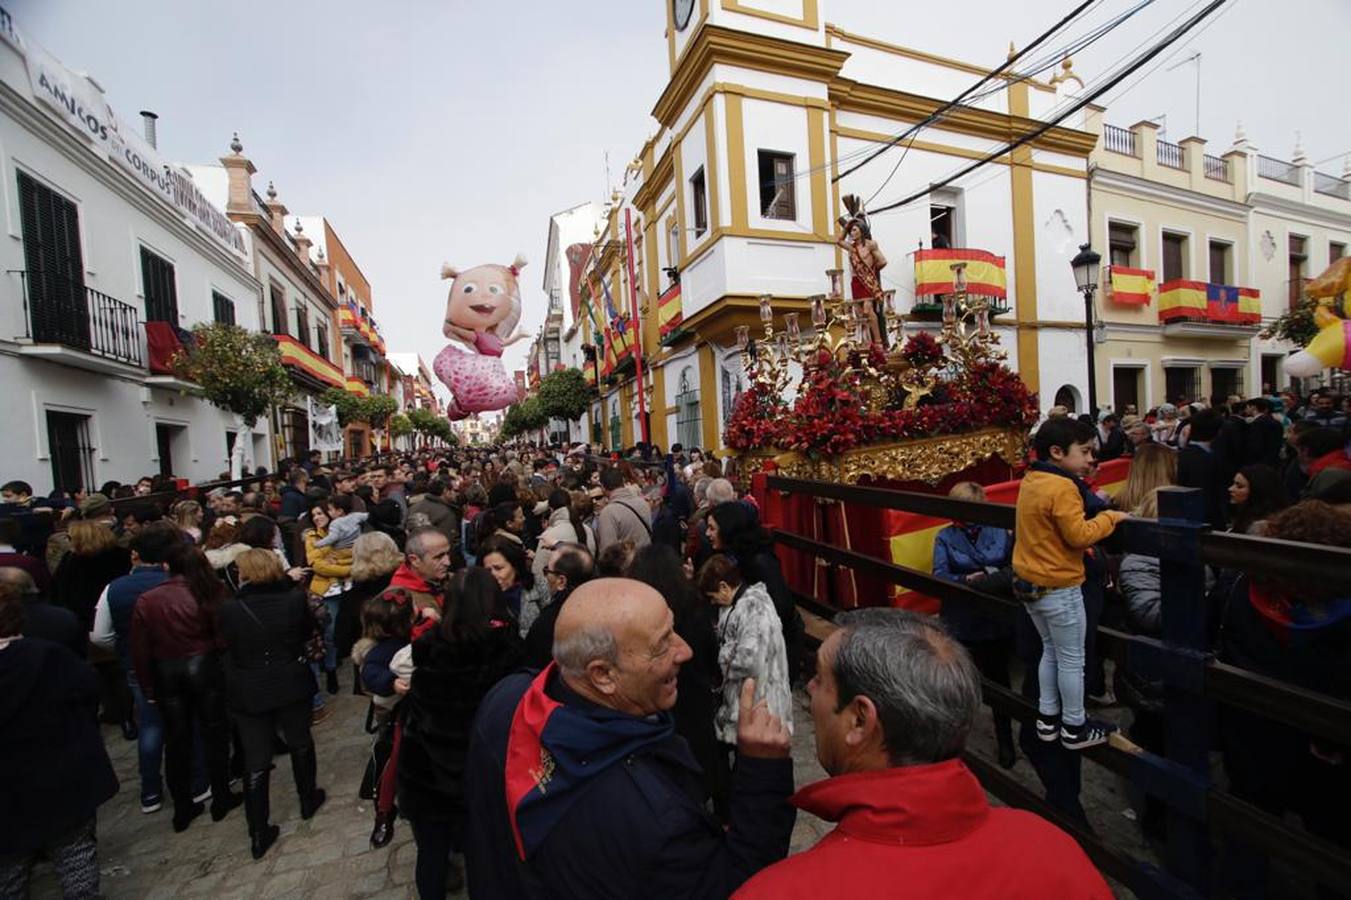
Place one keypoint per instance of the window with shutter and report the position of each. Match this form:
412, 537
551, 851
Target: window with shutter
157, 282
321, 341
700, 195
222, 308
1174, 256
279, 316
58, 307
1122, 240
303, 325
778, 199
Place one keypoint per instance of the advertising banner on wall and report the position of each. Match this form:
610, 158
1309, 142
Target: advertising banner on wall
79, 103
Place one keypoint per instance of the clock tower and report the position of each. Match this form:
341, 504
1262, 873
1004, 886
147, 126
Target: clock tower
795, 20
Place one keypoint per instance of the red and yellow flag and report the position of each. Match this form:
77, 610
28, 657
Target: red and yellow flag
669, 311
1182, 299
1130, 286
985, 276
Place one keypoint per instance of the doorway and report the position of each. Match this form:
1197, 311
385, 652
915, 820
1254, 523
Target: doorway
170, 444
1126, 387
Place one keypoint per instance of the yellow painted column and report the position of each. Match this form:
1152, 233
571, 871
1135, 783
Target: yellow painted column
1024, 248
736, 161
708, 396
816, 157
626, 408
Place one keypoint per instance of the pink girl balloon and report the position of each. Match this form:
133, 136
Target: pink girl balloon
482, 312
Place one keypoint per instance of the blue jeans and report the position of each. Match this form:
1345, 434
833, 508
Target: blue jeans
1062, 622
330, 645
150, 747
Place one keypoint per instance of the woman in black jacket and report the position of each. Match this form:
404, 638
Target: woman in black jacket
699, 679
454, 666
265, 628
734, 528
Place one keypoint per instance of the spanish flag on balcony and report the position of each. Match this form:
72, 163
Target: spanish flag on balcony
1233, 305
1130, 286
1182, 299
669, 311
985, 276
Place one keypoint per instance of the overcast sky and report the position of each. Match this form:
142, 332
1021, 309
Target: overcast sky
452, 130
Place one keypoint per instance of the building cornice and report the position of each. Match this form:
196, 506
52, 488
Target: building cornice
657, 181
56, 136
1143, 187
870, 99
714, 44
262, 227
1305, 212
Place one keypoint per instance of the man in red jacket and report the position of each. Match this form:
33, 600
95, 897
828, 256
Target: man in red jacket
893, 701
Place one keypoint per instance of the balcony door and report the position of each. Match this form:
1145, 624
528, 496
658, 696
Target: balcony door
58, 309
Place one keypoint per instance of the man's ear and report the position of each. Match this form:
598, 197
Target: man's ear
602, 677
864, 725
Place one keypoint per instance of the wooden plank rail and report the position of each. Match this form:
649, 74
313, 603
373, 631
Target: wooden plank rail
1193, 679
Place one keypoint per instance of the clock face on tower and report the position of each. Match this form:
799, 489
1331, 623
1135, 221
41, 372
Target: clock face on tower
681, 10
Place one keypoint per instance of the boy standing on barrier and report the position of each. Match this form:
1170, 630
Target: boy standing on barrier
1051, 533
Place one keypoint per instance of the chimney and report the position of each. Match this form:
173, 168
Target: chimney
240, 171
148, 122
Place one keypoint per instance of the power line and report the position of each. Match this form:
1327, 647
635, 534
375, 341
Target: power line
993, 73
1075, 107
1152, 36
1049, 61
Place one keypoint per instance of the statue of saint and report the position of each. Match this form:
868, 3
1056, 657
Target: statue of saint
865, 267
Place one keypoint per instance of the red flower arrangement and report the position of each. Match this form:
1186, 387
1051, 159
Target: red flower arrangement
922, 350
828, 417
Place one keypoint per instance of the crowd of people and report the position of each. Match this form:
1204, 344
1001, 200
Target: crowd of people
580, 668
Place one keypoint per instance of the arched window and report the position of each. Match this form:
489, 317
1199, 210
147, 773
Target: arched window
688, 418
1067, 397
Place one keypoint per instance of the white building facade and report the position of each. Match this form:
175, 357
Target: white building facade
104, 238
739, 191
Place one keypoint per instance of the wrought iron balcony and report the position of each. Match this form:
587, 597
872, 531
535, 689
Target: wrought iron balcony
66, 312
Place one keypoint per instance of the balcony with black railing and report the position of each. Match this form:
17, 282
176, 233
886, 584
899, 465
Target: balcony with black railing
65, 312
1217, 168
1278, 170
1332, 186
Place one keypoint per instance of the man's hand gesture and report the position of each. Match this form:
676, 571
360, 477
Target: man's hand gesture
759, 732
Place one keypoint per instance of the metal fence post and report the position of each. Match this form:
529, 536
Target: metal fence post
1186, 714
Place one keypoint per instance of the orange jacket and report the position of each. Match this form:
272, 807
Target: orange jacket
1051, 533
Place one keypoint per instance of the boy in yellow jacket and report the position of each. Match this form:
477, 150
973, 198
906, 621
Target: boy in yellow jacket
1051, 535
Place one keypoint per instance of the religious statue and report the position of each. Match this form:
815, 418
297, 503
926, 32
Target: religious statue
865, 266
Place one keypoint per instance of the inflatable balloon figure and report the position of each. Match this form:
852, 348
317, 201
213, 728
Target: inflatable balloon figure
482, 313
1331, 347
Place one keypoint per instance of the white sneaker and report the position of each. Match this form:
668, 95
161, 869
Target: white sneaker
203, 796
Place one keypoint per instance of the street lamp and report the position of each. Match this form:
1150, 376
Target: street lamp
1085, 265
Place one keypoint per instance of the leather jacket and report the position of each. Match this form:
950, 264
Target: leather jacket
168, 624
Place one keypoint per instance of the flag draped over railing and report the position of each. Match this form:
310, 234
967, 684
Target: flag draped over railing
1181, 299
985, 275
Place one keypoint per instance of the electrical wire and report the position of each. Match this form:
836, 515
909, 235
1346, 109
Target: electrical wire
1079, 104
956, 101
1047, 62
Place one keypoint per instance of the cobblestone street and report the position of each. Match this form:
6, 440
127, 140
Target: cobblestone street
327, 857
